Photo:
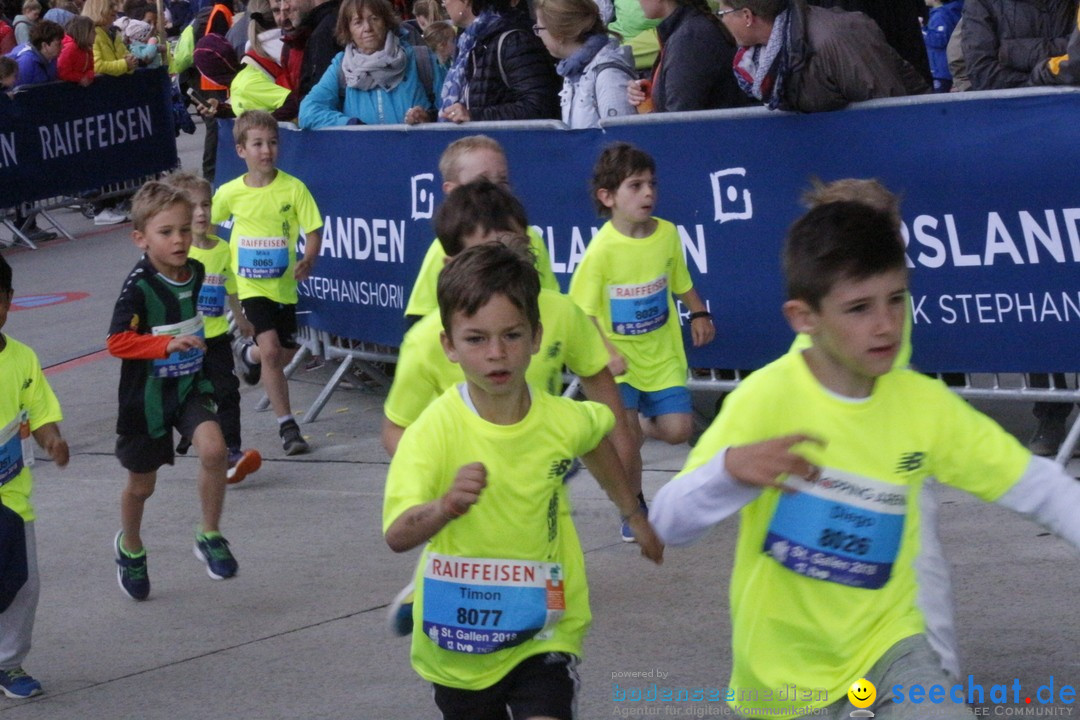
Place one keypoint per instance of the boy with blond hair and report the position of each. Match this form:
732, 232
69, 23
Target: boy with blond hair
269, 208
158, 332
218, 290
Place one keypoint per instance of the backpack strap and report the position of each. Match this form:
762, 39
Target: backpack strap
616, 66
498, 54
425, 70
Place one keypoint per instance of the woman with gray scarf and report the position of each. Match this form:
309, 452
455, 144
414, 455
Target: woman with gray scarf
375, 80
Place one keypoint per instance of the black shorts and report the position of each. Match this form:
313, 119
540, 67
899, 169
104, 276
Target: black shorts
266, 314
145, 454
542, 685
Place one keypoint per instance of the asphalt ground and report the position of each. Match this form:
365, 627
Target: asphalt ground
300, 633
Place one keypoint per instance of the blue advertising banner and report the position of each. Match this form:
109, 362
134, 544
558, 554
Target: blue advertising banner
62, 138
991, 208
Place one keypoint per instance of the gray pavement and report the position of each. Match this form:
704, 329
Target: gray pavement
300, 632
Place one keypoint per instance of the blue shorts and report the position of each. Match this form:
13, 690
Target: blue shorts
651, 404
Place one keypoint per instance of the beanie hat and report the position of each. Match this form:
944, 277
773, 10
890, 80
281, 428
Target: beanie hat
215, 57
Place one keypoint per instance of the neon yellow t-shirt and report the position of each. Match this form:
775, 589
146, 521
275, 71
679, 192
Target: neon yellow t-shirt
218, 283
628, 284
253, 89
514, 522
23, 387
423, 301
266, 223
824, 582
424, 372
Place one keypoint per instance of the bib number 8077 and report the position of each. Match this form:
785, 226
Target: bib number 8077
475, 616
845, 542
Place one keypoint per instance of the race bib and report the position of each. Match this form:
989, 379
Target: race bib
212, 296
265, 257
844, 528
639, 309
15, 450
480, 605
184, 362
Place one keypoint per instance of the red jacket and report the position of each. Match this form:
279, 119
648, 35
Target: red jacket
74, 63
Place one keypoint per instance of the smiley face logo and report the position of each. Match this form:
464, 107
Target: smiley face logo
862, 693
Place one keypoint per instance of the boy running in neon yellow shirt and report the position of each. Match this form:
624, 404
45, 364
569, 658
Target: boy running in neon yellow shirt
477, 481
627, 281
467, 159
27, 407
219, 287
269, 208
824, 452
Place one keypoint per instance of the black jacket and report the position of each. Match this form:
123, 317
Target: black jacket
695, 65
899, 21
532, 88
1004, 40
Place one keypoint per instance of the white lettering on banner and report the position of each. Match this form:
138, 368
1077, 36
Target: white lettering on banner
694, 248
7, 150
359, 239
577, 247
1043, 240
354, 292
727, 202
994, 308
423, 199
95, 132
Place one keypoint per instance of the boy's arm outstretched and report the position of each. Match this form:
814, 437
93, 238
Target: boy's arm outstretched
419, 523
1047, 494
605, 466
693, 502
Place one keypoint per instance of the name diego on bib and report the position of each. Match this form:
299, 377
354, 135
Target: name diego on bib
480, 605
844, 528
639, 309
262, 257
181, 362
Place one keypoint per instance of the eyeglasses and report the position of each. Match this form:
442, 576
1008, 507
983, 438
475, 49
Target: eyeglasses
722, 13
537, 29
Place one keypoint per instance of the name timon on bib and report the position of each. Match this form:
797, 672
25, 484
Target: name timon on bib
844, 528
481, 605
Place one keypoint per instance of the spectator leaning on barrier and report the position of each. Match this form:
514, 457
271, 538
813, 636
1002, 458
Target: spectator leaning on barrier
21, 24
377, 79
111, 55
939, 28
37, 58
594, 68
900, 22
810, 59
502, 71
1062, 69
76, 61
693, 69
1004, 40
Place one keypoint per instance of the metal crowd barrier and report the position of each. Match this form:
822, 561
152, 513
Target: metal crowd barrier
979, 386
44, 208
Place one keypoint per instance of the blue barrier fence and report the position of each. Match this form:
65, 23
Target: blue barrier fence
991, 188
64, 139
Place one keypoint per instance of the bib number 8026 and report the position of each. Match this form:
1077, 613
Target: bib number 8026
844, 542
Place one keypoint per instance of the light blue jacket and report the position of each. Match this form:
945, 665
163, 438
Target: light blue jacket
324, 107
